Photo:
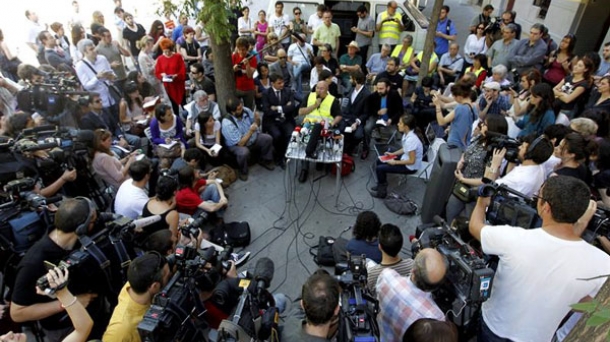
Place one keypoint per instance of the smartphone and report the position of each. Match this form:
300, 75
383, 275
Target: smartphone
48, 265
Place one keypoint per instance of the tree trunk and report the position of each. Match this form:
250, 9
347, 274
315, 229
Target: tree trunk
429, 45
583, 332
223, 72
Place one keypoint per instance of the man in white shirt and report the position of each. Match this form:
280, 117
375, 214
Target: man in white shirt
34, 30
93, 71
132, 197
526, 178
279, 21
318, 66
314, 21
541, 271
300, 54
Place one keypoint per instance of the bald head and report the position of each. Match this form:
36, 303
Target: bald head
429, 269
322, 88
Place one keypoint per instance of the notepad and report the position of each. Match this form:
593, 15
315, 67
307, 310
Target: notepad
170, 145
385, 158
216, 148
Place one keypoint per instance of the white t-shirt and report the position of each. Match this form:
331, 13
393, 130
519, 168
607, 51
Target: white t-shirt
314, 22
207, 140
278, 24
299, 53
537, 280
527, 179
243, 24
130, 200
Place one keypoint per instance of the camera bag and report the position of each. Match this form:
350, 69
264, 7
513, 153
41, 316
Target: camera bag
23, 230
236, 234
347, 166
323, 252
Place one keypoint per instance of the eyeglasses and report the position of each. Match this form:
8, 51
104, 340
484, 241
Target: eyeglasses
297, 13
480, 28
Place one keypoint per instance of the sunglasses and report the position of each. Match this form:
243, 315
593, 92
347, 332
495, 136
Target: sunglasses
480, 28
297, 13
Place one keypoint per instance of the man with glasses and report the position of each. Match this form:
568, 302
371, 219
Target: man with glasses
327, 33
389, 25
201, 103
281, 67
200, 82
541, 271
500, 49
300, 55
147, 276
364, 30
529, 53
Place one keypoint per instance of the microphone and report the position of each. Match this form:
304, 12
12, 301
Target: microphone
143, 222
295, 35
263, 273
310, 150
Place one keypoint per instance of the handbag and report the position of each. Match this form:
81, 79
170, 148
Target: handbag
400, 204
462, 192
172, 152
323, 252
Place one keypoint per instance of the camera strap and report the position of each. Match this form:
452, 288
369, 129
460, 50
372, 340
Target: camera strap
121, 252
111, 87
89, 246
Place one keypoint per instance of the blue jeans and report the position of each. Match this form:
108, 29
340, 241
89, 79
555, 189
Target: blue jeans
297, 80
383, 169
210, 193
486, 335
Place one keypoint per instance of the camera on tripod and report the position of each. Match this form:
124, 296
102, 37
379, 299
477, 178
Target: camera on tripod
49, 97
359, 307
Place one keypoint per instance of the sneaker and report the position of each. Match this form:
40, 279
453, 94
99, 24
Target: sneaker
268, 164
240, 258
381, 122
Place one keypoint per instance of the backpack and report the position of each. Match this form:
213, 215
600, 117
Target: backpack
323, 252
226, 173
448, 28
400, 204
347, 166
236, 234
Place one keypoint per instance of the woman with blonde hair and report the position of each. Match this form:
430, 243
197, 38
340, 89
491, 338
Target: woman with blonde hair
105, 163
147, 65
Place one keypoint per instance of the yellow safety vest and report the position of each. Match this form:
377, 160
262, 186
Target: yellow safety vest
406, 58
322, 112
390, 29
476, 72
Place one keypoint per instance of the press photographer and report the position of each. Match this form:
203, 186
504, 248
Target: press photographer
528, 176
73, 215
320, 305
404, 300
82, 322
541, 271
147, 276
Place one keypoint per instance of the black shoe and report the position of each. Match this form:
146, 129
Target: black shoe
379, 194
243, 176
303, 176
364, 155
268, 164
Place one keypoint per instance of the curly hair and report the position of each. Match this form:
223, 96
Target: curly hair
367, 226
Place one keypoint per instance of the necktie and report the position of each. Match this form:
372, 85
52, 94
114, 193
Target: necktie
279, 96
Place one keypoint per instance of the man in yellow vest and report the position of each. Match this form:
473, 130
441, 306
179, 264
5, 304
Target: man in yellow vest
389, 25
320, 105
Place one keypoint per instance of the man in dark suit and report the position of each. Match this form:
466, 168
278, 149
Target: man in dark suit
279, 111
384, 102
354, 115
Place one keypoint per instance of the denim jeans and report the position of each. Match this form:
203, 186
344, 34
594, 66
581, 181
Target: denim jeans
486, 335
297, 80
210, 193
383, 169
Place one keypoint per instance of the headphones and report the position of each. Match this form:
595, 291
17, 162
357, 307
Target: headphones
532, 146
82, 228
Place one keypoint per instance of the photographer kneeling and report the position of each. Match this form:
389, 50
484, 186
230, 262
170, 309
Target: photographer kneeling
147, 275
540, 270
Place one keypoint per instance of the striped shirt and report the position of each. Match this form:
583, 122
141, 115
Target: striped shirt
403, 267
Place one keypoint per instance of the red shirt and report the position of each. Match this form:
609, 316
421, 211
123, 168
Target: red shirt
173, 65
242, 81
188, 200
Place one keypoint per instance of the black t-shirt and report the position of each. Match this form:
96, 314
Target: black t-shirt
133, 37
191, 50
568, 87
395, 80
332, 64
206, 85
581, 172
29, 270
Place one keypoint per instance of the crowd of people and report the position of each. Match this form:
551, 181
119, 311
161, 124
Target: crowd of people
158, 130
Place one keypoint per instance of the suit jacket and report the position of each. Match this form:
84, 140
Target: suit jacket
287, 103
275, 68
356, 110
54, 59
92, 121
394, 103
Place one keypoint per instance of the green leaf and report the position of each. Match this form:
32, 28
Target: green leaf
588, 307
605, 313
595, 321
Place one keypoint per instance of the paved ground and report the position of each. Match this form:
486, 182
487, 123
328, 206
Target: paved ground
287, 217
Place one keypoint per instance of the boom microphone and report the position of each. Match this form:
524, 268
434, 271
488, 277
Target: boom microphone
39, 147
263, 273
314, 136
143, 222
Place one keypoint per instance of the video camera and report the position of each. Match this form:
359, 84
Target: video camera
51, 96
468, 280
509, 207
598, 226
256, 317
177, 312
500, 141
359, 307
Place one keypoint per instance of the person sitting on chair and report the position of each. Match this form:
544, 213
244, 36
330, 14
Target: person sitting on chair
410, 161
